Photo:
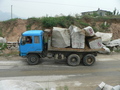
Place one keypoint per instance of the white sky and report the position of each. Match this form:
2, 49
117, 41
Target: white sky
38, 8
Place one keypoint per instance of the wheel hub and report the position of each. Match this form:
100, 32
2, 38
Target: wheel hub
73, 60
33, 59
89, 60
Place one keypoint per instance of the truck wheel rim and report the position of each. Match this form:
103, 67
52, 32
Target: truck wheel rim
89, 60
33, 59
74, 60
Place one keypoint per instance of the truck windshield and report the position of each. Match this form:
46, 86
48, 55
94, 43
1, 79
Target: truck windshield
26, 39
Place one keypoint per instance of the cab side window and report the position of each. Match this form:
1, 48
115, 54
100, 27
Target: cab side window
36, 39
28, 39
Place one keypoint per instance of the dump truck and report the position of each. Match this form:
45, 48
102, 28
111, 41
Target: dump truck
37, 44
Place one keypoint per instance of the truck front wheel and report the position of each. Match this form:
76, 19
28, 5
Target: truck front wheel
33, 59
73, 60
89, 60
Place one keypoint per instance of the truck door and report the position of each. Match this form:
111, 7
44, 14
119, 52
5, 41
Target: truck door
30, 45
25, 45
38, 44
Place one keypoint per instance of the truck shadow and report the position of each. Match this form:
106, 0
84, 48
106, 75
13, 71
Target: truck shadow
53, 62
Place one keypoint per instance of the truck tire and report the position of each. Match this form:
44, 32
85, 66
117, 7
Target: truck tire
33, 59
73, 60
89, 60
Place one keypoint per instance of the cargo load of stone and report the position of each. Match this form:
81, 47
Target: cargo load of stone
60, 37
92, 40
106, 37
77, 37
95, 42
89, 31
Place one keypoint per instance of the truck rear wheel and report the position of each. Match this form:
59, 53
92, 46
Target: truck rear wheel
89, 60
73, 60
33, 59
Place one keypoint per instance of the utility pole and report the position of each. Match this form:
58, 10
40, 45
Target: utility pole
11, 11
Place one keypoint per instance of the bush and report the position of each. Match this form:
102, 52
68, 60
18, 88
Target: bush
10, 20
48, 22
84, 24
3, 46
103, 26
62, 21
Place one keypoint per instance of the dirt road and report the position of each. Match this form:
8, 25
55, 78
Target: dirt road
51, 74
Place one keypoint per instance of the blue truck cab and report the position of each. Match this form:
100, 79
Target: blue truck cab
31, 42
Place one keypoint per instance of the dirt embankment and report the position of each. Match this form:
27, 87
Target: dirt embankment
13, 29
115, 29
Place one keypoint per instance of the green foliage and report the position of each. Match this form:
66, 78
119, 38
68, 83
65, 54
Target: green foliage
10, 20
87, 18
109, 13
115, 12
11, 53
32, 21
102, 18
3, 46
63, 88
116, 49
28, 27
1, 35
48, 22
104, 26
94, 14
62, 21
84, 24
95, 29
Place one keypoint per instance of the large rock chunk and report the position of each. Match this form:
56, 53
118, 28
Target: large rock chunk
60, 37
89, 31
106, 37
2, 40
95, 43
114, 43
77, 37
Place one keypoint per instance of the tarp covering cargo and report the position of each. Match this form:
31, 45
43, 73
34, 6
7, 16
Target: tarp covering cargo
89, 31
77, 37
106, 37
60, 37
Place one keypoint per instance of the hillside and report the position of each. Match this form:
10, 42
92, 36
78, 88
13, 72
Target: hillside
13, 28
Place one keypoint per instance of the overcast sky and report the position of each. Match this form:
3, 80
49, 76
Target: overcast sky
38, 8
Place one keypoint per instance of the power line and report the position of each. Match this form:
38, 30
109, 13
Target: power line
58, 4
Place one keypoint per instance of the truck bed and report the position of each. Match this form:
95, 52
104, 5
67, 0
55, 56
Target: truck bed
86, 49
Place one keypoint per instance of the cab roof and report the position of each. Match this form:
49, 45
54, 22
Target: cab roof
33, 33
